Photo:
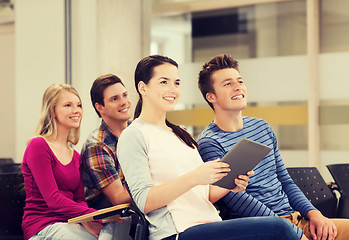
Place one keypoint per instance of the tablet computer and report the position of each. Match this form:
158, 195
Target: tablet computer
242, 157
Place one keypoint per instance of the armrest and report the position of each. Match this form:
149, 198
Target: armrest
121, 210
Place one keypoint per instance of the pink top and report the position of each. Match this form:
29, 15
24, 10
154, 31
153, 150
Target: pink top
54, 192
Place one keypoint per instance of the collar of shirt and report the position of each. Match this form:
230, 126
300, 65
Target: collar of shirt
108, 136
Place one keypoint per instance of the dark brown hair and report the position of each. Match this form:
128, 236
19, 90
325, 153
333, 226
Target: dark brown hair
98, 87
144, 72
217, 63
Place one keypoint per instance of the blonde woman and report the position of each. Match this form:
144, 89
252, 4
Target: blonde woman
52, 173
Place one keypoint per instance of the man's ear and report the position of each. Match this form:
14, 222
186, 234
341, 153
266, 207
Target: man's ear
211, 97
99, 107
142, 88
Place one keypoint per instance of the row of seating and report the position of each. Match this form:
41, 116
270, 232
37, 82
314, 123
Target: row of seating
6, 161
10, 168
7, 165
308, 179
340, 173
321, 194
12, 201
12, 198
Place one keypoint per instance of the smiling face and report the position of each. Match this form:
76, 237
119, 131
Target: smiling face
230, 90
116, 104
68, 110
162, 91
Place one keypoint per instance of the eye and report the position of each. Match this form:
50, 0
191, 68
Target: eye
163, 82
178, 83
114, 99
67, 105
125, 95
241, 81
80, 105
227, 84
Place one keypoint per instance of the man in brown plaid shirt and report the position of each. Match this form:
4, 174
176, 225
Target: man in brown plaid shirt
102, 175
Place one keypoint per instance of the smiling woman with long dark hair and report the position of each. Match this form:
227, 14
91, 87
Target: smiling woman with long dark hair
168, 180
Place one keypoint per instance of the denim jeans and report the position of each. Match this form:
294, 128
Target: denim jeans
75, 231
252, 228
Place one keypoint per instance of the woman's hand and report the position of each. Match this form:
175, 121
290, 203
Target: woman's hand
211, 172
115, 218
93, 227
207, 173
242, 182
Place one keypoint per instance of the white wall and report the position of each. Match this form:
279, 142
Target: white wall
284, 79
39, 61
107, 37
84, 60
172, 35
7, 97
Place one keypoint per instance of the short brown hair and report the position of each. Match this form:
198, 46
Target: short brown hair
217, 63
98, 87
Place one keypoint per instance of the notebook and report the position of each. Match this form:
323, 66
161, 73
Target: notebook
120, 210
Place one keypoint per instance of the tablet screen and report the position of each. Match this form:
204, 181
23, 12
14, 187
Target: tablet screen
242, 157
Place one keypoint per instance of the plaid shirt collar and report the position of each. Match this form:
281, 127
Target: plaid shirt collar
107, 135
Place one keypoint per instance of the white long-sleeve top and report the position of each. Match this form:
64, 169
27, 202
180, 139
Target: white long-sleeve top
150, 156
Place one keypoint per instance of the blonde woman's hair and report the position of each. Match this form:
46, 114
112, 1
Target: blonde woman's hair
47, 127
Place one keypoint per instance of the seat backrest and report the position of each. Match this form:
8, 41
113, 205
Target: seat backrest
11, 168
140, 229
340, 174
311, 183
12, 199
6, 161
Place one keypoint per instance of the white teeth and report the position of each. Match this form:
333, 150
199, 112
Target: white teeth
238, 97
169, 98
124, 110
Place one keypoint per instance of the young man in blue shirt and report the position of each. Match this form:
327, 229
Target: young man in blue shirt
271, 191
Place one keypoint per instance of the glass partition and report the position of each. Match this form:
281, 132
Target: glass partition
269, 40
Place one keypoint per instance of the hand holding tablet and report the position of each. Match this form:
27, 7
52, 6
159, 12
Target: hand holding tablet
242, 157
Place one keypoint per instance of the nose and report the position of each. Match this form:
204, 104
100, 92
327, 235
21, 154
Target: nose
174, 87
124, 101
236, 86
77, 109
